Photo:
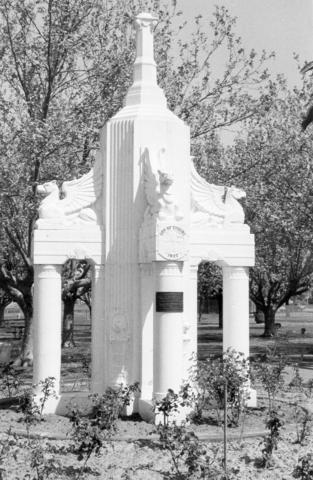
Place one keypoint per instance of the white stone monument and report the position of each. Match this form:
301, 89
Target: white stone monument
145, 219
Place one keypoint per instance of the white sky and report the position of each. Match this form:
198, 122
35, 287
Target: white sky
285, 26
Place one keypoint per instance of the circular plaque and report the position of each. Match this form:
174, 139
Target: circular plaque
172, 242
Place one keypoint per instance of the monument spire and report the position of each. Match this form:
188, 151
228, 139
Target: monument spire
145, 89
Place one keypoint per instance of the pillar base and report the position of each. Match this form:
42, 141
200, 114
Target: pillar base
146, 410
62, 404
148, 414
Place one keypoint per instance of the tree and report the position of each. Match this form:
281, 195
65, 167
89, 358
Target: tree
272, 161
66, 66
210, 284
54, 79
5, 300
76, 285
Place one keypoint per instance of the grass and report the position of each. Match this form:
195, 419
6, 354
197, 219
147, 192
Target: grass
289, 337
289, 340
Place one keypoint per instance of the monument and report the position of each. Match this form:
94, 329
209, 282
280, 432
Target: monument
145, 220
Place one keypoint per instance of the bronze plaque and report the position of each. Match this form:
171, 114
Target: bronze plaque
169, 302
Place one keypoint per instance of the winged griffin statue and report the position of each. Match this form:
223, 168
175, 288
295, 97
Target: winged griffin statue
214, 204
161, 195
78, 203
211, 205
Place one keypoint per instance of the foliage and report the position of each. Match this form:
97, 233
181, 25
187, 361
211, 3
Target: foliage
32, 405
57, 61
92, 433
76, 285
32, 409
304, 469
210, 282
168, 406
209, 378
5, 301
42, 464
7, 447
270, 442
303, 424
270, 371
10, 381
272, 161
302, 415
186, 451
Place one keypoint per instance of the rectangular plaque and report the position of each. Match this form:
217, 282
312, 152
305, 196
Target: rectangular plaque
169, 301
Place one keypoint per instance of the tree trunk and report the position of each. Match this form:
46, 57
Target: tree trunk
25, 357
219, 297
68, 323
269, 322
2, 309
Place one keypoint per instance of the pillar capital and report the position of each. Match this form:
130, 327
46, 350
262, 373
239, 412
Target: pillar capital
48, 271
146, 20
236, 272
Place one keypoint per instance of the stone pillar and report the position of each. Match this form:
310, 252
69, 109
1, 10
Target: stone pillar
236, 315
99, 353
47, 324
236, 309
168, 327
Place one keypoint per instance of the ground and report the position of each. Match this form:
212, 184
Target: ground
135, 451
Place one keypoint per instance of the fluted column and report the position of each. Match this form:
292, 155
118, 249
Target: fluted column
99, 352
47, 324
168, 327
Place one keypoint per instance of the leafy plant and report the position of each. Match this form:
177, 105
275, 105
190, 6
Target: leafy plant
31, 407
190, 458
47, 391
303, 417
168, 405
304, 469
270, 442
270, 371
303, 425
209, 378
7, 447
10, 383
41, 464
93, 432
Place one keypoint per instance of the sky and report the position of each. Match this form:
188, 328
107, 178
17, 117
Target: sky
285, 26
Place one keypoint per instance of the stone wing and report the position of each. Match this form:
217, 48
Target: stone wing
206, 197
84, 191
